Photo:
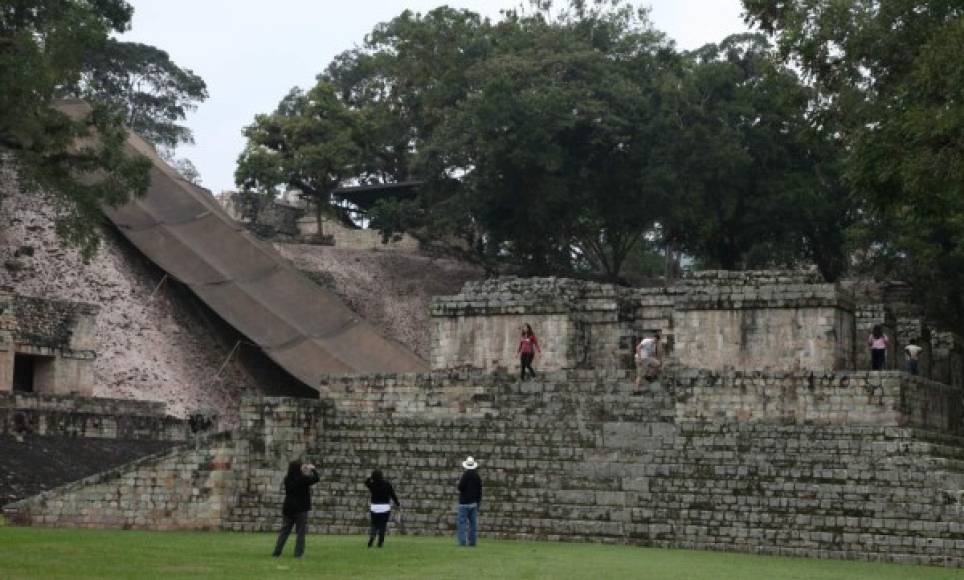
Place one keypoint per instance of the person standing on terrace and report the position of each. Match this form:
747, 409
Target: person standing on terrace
528, 346
913, 351
877, 341
647, 358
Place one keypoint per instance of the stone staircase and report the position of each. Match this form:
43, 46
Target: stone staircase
542, 445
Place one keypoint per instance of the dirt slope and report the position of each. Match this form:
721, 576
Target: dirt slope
391, 289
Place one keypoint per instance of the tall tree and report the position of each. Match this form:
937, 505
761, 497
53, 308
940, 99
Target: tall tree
43, 44
141, 83
382, 102
756, 177
890, 75
310, 143
560, 137
536, 137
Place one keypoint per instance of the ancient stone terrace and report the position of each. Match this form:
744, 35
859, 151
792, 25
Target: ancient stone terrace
863, 468
794, 454
763, 320
46, 346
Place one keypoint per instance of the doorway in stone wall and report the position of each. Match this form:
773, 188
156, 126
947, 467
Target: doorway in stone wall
23, 373
28, 372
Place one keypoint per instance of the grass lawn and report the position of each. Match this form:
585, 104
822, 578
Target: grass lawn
50, 554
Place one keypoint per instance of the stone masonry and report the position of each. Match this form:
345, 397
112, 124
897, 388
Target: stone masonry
714, 320
72, 416
52, 340
866, 466
578, 324
791, 454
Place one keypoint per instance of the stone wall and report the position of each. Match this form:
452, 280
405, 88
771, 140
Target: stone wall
71, 416
575, 457
351, 238
263, 215
578, 324
715, 320
759, 324
847, 398
55, 337
186, 488
272, 219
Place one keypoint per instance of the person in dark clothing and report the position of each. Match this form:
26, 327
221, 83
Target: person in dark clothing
383, 494
297, 504
470, 501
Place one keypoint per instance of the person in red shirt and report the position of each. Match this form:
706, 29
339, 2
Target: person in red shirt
528, 346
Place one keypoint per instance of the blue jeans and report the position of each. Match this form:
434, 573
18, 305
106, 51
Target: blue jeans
468, 522
912, 366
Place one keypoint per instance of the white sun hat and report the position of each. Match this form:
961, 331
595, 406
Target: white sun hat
470, 463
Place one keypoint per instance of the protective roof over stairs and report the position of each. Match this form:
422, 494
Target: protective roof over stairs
306, 329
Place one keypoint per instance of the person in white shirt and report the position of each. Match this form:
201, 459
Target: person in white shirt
913, 356
647, 358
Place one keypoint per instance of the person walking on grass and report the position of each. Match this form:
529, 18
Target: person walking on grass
913, 356
877, 341
297, 504
528, 346
470, 502
383, 494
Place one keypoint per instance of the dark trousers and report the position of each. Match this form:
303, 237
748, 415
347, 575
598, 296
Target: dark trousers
877, 358
300, 523
912, 366
378, 527
525, 361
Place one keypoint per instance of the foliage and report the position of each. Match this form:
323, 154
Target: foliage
310, 143
96, 554
42, 48
891, 82
559, 138
184, 167
556, 137
534, 135
757, 176
141, 83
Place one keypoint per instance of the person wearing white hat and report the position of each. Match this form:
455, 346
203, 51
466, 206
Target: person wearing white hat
470, 500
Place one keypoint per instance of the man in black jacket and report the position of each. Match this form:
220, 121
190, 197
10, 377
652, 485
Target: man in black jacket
296, 506
470, 500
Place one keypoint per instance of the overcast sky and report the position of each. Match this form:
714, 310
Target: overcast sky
251, 52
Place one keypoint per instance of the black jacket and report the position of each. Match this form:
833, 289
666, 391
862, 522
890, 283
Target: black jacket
470, 487
382, 491
298, 493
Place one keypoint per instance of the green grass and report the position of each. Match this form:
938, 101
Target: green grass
75, 554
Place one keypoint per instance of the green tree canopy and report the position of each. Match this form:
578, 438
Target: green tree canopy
43, 46
534, 135
310, 143
757, 181
559, 136
891, 83
141, 83
559, 139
